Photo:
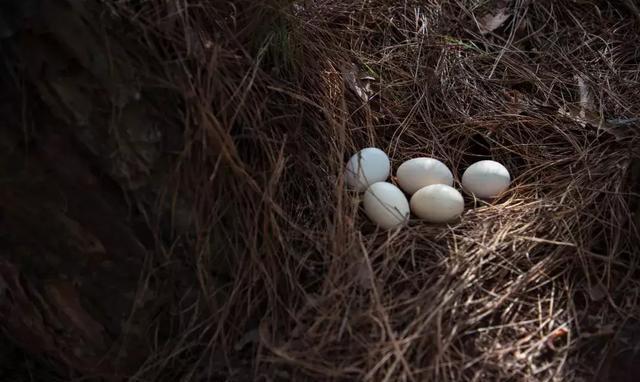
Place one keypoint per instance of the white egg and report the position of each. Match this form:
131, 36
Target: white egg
367, 167
417, 173
486, 179
386, 205
437, 203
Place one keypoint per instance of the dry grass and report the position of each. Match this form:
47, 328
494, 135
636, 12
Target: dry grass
539, 285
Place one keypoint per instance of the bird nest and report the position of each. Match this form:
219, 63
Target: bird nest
287, 279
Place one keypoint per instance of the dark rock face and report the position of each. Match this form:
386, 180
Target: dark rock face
76, 137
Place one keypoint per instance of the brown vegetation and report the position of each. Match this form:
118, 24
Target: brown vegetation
257, 264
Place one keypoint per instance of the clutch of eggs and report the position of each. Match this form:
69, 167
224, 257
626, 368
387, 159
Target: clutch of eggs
428, 180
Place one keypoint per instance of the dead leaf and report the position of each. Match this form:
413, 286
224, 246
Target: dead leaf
586, 101
361, 85
556, 337
622, 128
583, 113
490, 22
579, 115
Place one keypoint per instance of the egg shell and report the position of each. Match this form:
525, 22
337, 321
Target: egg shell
437, 203
386, 205
417, 173
486, 179
367, 167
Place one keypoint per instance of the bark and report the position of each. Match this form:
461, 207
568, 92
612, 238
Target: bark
78, 136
